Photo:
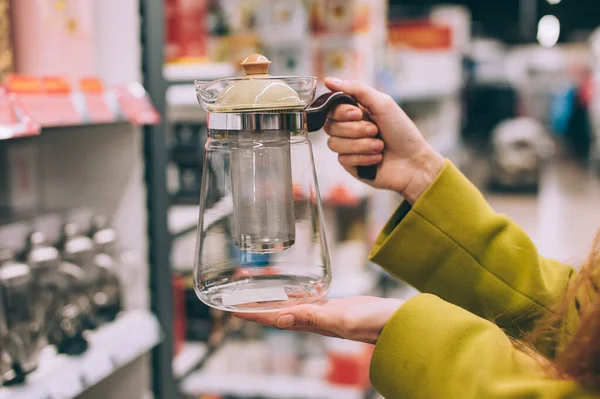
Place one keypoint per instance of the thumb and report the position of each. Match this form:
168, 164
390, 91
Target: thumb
309, 317
373, 100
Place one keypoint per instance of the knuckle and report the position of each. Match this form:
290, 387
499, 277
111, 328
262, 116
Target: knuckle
366, 146
310, 320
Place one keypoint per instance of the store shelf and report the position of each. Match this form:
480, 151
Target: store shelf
190, 356
183, 219
266, 386
191, 72
111, 347
4, 134
55, 128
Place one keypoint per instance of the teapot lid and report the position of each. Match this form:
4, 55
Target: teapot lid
257, 91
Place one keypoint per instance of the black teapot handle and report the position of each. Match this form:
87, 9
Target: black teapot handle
316, 115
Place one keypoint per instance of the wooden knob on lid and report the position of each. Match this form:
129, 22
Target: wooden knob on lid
256, 64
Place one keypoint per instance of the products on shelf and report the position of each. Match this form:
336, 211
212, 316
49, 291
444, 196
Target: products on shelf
179, 319
6, 47
291, 58
347, 16
282, 21
348, 362
108, 297
18, 330
186, 30
60, 296
54, 38
51, 297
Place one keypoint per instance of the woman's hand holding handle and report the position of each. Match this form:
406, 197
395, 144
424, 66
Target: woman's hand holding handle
378, 132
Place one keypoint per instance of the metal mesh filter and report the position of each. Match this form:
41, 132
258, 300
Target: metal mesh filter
263, 198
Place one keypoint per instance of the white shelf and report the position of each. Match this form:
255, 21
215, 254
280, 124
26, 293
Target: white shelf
191, 72
182, 95
267, 386
190, 355
110, 348
183, 218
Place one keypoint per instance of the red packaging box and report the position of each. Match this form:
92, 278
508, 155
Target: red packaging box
186, 30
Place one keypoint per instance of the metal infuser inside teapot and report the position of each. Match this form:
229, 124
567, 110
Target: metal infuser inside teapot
259, 186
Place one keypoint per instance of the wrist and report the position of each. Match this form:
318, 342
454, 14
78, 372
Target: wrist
426, 167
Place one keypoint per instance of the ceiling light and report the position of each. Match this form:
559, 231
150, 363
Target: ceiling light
548, 31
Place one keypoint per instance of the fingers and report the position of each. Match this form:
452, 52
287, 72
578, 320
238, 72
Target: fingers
268, 319
373, 100
350, 162
344, 146
314, 318
346, 113
351, 130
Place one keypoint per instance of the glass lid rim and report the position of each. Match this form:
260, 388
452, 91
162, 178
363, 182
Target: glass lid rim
256, 77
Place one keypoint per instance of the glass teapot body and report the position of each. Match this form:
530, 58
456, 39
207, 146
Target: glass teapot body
261, 240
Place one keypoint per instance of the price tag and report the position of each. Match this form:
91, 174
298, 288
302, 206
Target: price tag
13, 120
96, 365
60, 102
96, 104
66, 384
136, 106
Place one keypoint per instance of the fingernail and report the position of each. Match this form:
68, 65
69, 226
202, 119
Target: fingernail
354, 114
286, 321
335, 80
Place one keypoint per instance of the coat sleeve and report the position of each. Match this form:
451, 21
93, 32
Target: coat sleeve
433, 349
452, 244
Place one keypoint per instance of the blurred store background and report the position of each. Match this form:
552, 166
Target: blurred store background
101, 146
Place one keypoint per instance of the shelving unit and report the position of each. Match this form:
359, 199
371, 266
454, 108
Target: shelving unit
111, 347
75, 180
191, 354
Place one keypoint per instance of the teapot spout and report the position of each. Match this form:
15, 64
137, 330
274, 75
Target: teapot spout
203, 95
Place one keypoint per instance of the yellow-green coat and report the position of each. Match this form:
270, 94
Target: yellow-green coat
473, 265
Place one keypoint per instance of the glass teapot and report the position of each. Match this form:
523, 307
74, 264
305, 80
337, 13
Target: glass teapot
261, 240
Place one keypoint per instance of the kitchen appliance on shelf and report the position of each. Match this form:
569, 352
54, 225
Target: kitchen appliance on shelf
58, 292
20, 330
79, 250
257, 153
108, 300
